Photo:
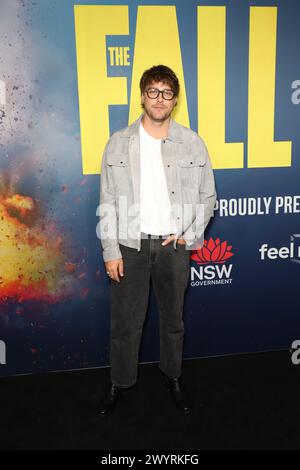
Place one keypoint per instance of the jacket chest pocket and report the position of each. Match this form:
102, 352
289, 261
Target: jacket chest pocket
120, 170
190, 170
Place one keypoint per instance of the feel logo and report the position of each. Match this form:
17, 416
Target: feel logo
291, 252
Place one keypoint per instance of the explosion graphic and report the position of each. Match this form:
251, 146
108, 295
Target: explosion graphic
32, 265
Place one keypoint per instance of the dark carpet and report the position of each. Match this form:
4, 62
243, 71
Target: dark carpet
249, 401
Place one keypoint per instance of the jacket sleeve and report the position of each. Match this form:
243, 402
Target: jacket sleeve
195, 231
108, 212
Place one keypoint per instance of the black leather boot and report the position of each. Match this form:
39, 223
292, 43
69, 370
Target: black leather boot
110, 399
178, 393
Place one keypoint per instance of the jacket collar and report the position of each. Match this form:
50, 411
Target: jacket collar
174, 131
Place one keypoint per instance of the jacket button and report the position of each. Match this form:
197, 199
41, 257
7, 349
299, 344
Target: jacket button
121, 162
168, 165
172, 192
191, 163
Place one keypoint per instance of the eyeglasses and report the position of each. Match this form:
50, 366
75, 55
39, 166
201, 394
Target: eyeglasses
153, 93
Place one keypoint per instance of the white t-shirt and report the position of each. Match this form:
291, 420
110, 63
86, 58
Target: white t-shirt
155, 206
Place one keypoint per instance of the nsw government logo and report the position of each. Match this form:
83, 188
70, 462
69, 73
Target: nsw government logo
211, 260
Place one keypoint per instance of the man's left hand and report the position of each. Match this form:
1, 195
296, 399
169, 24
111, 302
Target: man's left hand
180, 241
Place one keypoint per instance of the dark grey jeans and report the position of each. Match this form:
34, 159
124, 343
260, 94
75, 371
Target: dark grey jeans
169, 271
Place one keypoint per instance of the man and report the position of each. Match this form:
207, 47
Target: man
155, 173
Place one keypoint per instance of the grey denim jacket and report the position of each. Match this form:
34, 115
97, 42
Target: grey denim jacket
189, 178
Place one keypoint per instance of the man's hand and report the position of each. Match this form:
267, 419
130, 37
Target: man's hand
180, 241
114, 268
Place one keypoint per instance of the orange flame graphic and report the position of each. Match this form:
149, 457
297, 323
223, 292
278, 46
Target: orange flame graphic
32, 265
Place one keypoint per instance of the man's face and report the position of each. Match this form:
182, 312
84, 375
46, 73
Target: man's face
158, 109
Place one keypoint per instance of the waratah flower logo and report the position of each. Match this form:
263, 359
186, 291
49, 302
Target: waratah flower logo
212, 251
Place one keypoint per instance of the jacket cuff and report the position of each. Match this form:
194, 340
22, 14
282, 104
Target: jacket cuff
111, 253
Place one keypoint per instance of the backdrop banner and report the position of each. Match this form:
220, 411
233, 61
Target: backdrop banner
69, 78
